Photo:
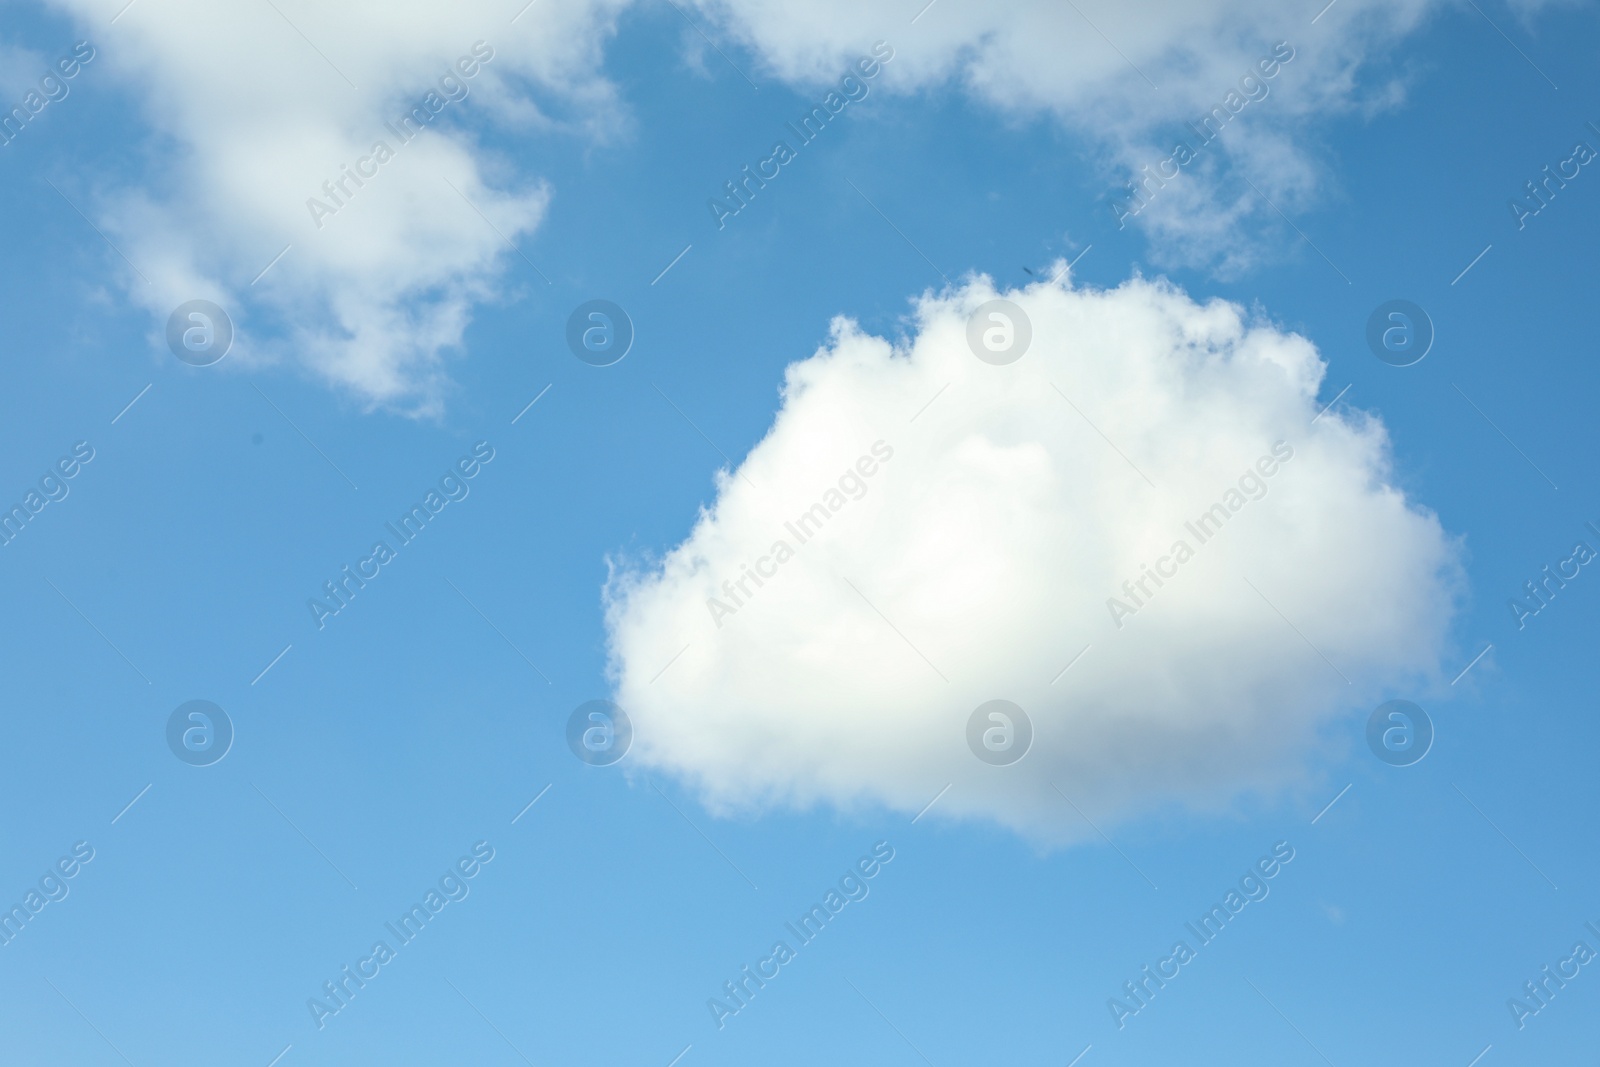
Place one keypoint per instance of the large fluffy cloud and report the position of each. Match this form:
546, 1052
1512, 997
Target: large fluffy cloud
983, 555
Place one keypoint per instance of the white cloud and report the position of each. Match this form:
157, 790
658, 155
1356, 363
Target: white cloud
1127, 77
254, 118
254, 109
990, 543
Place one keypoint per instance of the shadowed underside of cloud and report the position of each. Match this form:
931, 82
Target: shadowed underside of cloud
986, 541
257, 107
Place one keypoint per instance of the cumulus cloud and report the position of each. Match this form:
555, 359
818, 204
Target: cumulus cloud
971, 527
1128, 77
258, 106
255, 108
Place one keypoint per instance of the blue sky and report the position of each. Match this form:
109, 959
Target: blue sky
429, 712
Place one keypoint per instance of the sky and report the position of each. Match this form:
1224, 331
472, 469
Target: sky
403, 596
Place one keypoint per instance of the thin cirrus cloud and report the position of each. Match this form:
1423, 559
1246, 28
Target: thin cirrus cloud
262, 104
985, 545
